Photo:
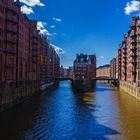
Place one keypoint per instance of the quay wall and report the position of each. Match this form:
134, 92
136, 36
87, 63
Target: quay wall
130, 88
14, 96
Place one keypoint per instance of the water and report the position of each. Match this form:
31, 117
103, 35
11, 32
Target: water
104, 114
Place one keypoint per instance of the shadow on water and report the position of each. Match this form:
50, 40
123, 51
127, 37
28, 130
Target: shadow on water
18, 119
60, 115
86, 107
101, 88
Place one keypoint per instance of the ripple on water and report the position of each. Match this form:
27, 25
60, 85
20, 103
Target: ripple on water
64, 115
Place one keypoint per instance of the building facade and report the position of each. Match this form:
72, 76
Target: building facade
66, 72
85, 66
103, 71
128, 60
113, 68
127, 57
27, 61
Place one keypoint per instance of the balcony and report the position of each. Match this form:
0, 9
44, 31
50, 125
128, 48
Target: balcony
138, 23
133, 54
124, 48
11, 49
138, 39
133, 41
138, 32
133, 25
133, 71
124, 66
133, 49
124, 73
133, 62
124, 52
132, 35
138, 67
124, 57
124, 62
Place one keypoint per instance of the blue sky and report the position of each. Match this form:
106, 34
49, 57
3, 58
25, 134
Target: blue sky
84, 26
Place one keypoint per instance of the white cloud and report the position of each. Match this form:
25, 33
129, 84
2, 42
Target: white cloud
52, 26
41, 28
101, 57
26, 10
45, 32
57, 19
132, 6
54, 33
58, 49
41, 25
32, 3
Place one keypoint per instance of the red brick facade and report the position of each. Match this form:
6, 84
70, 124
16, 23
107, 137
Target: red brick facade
85, 66
103, 71
127, 58
113, 68
26, 59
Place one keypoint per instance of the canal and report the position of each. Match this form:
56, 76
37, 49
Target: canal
104, 114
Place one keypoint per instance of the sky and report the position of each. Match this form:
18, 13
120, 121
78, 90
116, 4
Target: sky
83, 26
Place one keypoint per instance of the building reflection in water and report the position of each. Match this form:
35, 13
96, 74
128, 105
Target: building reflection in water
103, 114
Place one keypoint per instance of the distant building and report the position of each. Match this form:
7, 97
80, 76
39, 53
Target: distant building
113, 68
53, 64
118, 64
66, 72
70, 72
103, 71
93, 65
85, 66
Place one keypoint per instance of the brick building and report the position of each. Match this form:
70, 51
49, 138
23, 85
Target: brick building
127, 55
128, 59
66, 72
103, 71
113, 68
26, 59
85, 66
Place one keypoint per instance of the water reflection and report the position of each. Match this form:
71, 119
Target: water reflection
103, 114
